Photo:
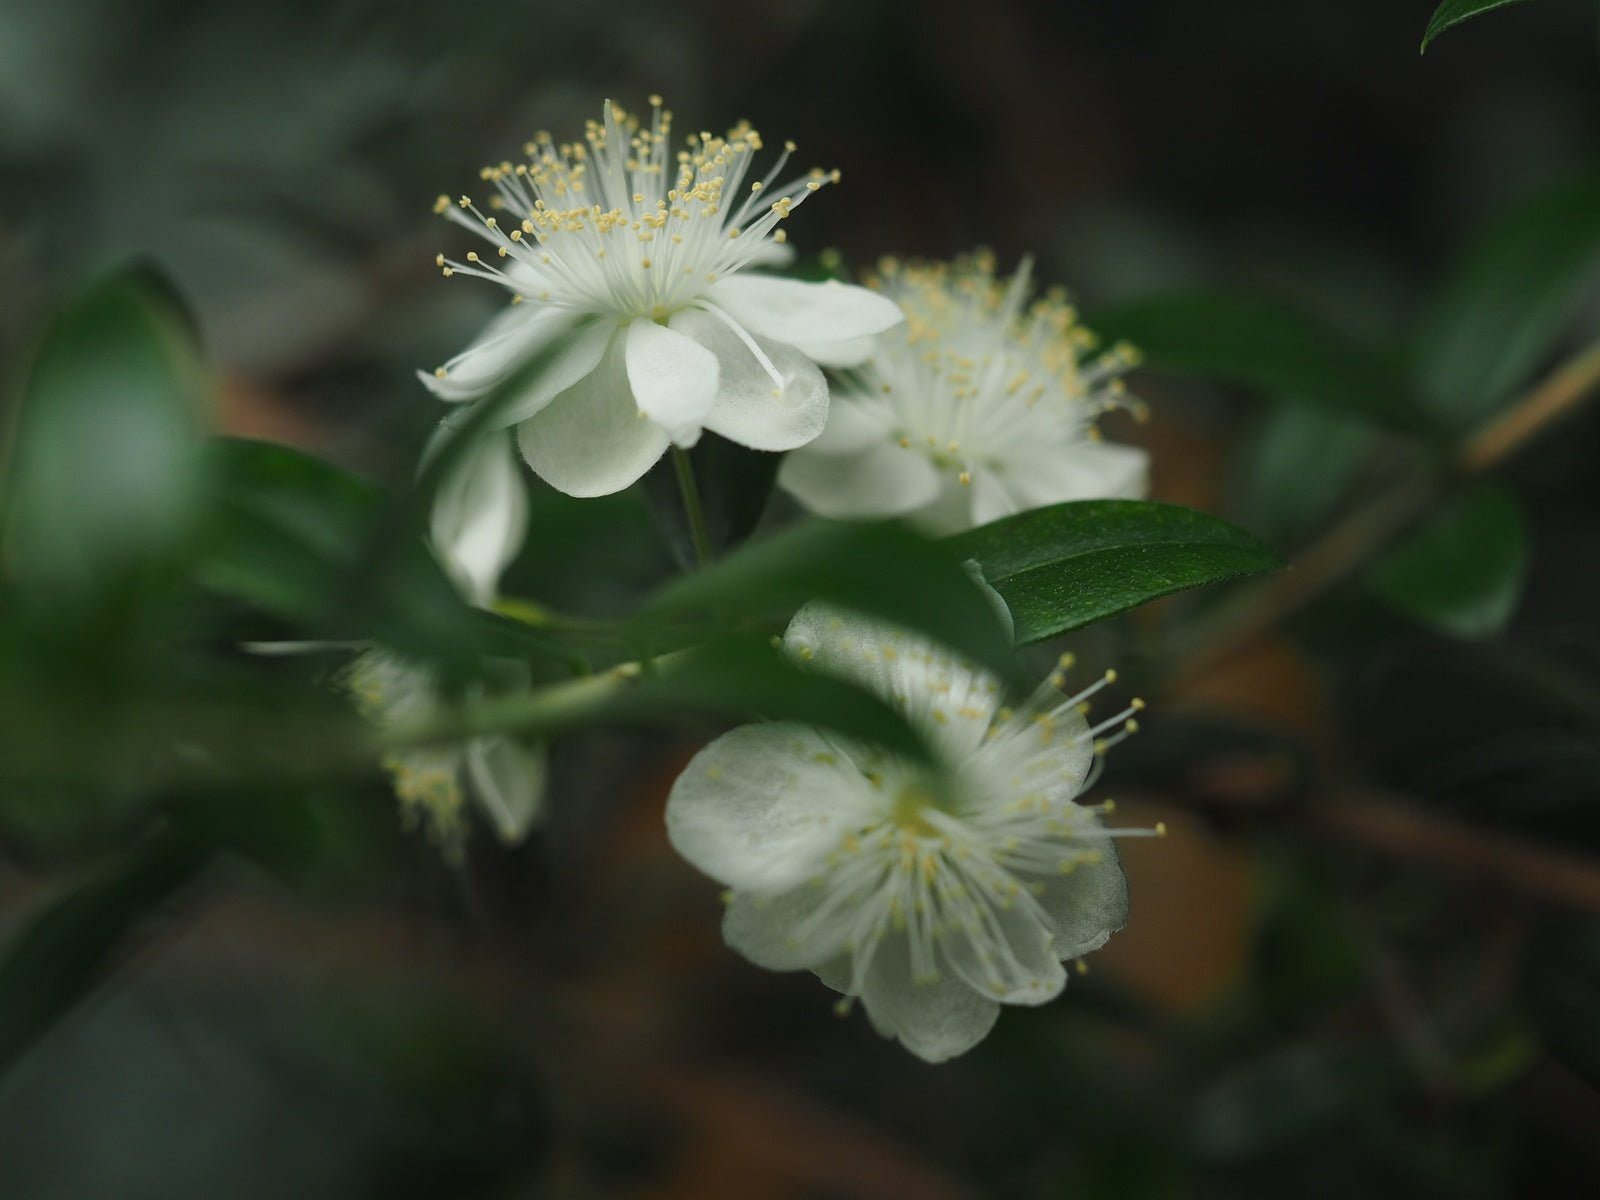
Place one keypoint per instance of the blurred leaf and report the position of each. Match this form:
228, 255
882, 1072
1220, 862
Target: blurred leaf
296, 541
1461, 571
1453, 12
51, 962
734, 678
734, 484
880, 569
1265, 345
1063, 567
103, 461
1297, 465
1508, 301
1270, 1105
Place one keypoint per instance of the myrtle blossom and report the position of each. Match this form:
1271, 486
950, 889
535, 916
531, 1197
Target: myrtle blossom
478, 524
981, 405
629, 273
934, 895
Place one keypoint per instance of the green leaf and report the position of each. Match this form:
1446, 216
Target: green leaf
103, 462
734, 483
1461, 571
304, 541
882, 569
1265, 345
739, 677
1298, 463
1063, 567
52, 961
1453, 12
1503, 308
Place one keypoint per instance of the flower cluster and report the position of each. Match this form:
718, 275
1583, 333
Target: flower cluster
642, 316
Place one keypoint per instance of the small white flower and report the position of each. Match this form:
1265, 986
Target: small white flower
932, 895
973, 410
627, 264
504, 776
479, 519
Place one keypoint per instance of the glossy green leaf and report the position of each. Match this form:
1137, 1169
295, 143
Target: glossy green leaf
1265, 345
881, 569
1066, 566
1507, 303
1453, 12
1296, 465
103, 463
52, 960
1461, 571
304, 541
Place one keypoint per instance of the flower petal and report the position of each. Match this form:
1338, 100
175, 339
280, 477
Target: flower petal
1087, 471
1007, 955
509, 340
1087, 904
761, 807
674, 379
885, 480
991, 498
849, 353
785, 932
591, 440
751, 408
787, 310
573, 357
853, 426
508, 783
480, 516
935, 1021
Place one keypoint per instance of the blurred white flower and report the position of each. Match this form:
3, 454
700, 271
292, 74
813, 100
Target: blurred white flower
933, 895
479, 519
504, 777
980, 406
627, 268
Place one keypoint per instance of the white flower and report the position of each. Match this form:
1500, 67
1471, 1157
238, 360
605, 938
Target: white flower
627, 267
973, 410
504, 776
932, 895
480, 516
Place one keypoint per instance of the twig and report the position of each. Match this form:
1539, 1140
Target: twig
1352, 541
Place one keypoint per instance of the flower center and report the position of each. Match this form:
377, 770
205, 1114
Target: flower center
909, 812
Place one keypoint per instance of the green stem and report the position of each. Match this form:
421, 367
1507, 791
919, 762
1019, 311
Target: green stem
692, 507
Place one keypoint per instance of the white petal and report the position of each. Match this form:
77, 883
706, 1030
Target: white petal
571, 358
763, 805
786, 932
480, 516
674, 379
951, 701
886, 480
991, 498
508, 341
591, 439
935, 1021
838, 355
771, 254
508, 783
1013, 960
747, 411
853, 426
1088, 904
1090, 471
787, 310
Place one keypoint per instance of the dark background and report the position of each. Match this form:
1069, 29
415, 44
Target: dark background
1400, 996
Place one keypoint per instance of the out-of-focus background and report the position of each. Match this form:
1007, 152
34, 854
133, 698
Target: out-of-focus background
1367, 959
